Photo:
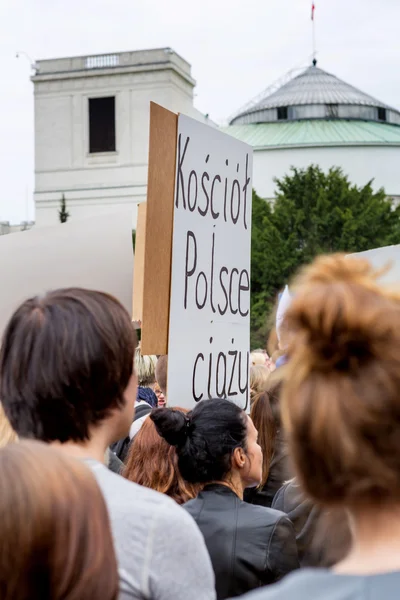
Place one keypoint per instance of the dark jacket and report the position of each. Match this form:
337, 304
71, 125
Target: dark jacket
279, 472
322, 539
114, 464
249, 546
121, 448
304, 516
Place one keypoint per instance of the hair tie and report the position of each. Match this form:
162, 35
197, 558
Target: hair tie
188, 426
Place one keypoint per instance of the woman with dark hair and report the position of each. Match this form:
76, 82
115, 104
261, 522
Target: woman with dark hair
217, 447
154, 463
55, 541
266, 416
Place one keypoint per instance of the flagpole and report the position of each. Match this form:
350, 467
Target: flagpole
314, 42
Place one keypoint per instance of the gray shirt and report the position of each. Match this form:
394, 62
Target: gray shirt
160, 550
321, 584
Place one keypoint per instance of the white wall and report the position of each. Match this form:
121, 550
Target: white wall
98, 183
361, 164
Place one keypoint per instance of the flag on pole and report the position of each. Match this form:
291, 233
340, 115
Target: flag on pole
312, 11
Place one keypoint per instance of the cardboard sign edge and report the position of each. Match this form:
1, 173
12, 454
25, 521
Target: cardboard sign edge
159, 228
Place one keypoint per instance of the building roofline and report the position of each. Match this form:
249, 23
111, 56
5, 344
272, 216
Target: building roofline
70, 57
119, 53
112, 64
335, 144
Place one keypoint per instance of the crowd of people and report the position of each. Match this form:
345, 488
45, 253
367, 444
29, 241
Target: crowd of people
110, 490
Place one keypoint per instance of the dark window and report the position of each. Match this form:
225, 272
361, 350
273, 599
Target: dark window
332, 111
102, 124
382, 114
282, 113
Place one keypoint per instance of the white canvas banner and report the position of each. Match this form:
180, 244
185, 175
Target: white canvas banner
382, 258
93, 253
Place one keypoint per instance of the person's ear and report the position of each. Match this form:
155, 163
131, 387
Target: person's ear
238, 458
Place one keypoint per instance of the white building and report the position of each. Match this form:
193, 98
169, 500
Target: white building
315, 118
92, 127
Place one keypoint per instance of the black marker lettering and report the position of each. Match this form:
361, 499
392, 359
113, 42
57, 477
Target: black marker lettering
225, 196
199, 304
246, 387
243, 288
246, 185
193, 175
181, 181
214, 214
234, 354
235, 185
201, 211
221, 394
209, 373
234, 270
196, 398
189, 273
223, 311
212, 274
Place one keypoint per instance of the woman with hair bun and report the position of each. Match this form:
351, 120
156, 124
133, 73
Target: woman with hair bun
341, 409
217, 447
152, 463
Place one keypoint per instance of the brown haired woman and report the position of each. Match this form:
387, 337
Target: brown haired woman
153, 463
341, 410
55, 541
266, 416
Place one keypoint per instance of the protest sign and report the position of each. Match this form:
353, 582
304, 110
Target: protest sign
209, 324
93, 253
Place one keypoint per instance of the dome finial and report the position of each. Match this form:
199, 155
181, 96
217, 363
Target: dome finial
314, 62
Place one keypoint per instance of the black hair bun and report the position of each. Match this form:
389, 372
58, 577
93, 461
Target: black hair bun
172, 425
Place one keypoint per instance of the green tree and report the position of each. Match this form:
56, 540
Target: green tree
133, 238
63, 214
314, 213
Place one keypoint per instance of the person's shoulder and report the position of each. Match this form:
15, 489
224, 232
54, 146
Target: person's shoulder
117, 489
280, 496
308, 584
193, 503
262, 515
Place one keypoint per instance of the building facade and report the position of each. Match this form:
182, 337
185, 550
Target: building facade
316, 118
92, 128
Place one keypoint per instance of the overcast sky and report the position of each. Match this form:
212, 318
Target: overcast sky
236, 48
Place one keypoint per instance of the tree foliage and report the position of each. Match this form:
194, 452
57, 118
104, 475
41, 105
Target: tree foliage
314, 213
63, 214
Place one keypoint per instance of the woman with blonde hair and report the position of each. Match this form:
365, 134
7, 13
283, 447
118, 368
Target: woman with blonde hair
258, 380
341, 411
145, 367
55, 541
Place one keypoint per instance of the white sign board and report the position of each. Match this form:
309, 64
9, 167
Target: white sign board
209, 327
93, 253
